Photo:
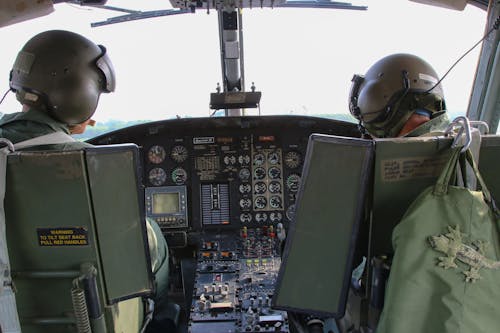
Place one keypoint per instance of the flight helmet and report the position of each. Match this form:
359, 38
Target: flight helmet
391, 90
63, 74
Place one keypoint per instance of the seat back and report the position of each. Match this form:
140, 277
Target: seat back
75, 226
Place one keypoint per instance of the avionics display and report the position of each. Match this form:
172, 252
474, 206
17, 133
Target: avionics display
167, 205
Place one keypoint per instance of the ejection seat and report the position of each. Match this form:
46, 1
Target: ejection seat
77, 240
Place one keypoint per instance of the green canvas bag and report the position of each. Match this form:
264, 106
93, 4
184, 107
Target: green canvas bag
445, 274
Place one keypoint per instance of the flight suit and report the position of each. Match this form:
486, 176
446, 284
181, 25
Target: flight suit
435, 126
23, 126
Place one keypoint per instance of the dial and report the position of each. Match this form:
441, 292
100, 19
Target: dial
275, 202
246, 217
275, 217
261, 217
245, 203
293, 182
245, 188
229, 160
274, 187
157, 176
292, 159
290, 212
260, 187
274, 173
179, 154
260, 202
273, 158
156, 154
244, 174
259, 173
179, 176
259, 159
244, 159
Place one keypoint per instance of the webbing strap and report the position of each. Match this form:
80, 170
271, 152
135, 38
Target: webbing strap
9, 319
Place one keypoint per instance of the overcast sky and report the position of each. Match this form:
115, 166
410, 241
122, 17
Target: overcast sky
301, 60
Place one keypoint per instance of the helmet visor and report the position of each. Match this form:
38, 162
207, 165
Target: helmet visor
106, 67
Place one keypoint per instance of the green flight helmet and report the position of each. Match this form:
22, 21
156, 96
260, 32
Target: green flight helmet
391, 90
62, 73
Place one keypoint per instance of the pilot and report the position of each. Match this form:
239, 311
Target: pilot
58, 77
400, 95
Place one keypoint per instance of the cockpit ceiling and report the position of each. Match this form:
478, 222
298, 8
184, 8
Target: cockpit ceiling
15, 11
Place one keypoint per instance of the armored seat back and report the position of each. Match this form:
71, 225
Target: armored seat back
77, 239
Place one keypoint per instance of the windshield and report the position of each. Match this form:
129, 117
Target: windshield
302, 60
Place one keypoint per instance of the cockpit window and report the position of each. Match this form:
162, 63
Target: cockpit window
302, 60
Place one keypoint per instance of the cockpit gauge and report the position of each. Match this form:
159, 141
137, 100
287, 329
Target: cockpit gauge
244, 159
260, 202
273, 158
245, 188
292, 159
260, 187
179, 153
246, 217
275, 217
179, 176
261, 217
157, 176
275, 202
274, 187
290, 212
274, 173
293, 182
229, 160
156, 154
244, 174
245, 203
259, 159
259, 173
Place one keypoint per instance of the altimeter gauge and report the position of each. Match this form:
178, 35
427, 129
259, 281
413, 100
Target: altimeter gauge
179, 153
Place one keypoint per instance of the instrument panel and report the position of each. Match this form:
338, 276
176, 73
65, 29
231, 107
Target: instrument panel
206, 173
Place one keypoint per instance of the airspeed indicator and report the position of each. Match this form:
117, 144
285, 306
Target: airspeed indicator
156, 154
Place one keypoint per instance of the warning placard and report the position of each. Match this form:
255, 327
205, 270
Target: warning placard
411, 168
64, 236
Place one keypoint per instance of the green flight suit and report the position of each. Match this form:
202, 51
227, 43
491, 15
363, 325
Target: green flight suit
437, 125
23, 126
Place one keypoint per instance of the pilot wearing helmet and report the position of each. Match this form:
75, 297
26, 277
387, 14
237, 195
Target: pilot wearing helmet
58, 77
400, 95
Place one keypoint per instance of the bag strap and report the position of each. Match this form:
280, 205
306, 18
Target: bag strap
9, 320
488, 198
449, 172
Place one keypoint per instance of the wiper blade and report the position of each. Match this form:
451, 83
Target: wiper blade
138, 15
320, 4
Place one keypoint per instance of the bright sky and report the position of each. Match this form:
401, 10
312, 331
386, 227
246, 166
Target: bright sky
301, 59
